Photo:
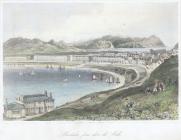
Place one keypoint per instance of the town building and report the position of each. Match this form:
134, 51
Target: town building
103, 57
28, 105
37, 103
80, 58
15, 58
50, 58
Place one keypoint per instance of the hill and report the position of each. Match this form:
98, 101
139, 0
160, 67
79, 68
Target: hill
121, 42
24, 46
132, 103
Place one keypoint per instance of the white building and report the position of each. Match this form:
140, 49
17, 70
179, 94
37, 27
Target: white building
15, 58
27, 105
36, 103
80, 58
50, 58
107, 59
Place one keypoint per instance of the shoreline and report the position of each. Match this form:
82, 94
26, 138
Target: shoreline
101, 96
97, 97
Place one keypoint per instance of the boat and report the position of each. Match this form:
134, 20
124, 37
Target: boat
94, 77
111, 80
79, 76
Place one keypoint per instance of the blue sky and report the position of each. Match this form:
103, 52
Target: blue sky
82, 21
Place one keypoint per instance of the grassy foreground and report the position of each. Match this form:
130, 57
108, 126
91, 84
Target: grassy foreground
132, 103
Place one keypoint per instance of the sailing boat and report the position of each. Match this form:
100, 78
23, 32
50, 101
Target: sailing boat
94, 77
111, 80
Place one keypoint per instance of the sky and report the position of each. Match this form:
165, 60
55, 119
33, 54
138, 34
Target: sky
72, 22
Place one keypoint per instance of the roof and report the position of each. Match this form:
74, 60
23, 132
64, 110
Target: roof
36, 98
14, 106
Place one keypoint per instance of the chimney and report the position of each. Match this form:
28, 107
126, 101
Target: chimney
45, 92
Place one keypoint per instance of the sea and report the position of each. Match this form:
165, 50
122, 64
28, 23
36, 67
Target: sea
65, 84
